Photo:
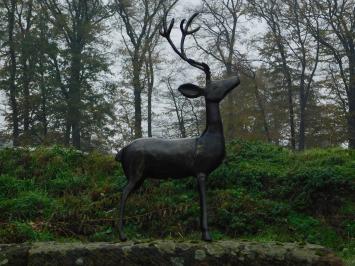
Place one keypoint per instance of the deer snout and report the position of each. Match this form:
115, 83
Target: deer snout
231, 83
219, 89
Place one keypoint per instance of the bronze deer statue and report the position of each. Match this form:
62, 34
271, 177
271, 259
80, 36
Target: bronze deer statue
179, 158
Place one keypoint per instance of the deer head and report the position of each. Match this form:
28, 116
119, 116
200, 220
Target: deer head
214, 91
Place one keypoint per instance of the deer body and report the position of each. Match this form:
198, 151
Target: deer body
158, 158
179, 158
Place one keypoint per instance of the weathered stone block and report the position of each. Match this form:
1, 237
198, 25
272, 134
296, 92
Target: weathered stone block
14, 254
166, 252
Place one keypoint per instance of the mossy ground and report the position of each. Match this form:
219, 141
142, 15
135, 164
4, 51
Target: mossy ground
261, 192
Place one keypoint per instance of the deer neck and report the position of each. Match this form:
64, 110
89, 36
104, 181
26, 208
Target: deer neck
213, 119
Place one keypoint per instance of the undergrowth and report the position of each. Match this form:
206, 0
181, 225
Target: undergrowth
261, 192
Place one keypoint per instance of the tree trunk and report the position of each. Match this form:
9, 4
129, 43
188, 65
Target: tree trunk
137, 113
74, 95
44, 119
67, 132
137, 104
182, 127
65, 93
351, 96
150, 89
44, 112
43, 100
287, 76
262, 111
75, 118
229, 125
291, 118
26, 96
302, 128
26, 68
150, 84
12, 84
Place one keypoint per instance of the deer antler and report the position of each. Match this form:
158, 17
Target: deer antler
165, 32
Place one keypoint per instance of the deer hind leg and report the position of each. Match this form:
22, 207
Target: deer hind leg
135, 180
127, 190
201, 180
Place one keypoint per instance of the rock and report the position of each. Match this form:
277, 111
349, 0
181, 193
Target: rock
167, 252
13, 254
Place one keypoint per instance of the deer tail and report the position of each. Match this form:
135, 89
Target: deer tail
119, 156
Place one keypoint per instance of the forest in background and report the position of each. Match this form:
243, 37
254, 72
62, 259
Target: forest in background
91, 75
96, 74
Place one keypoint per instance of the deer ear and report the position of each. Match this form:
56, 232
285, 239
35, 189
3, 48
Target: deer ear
191, 91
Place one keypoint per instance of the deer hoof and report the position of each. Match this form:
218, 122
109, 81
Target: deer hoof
206, 236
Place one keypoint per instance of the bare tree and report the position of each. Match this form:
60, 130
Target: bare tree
141, 21
219, 32
79, 21
25, 20
151, 61
179, 108
305, 49
182, 117
270, 12
10, 6
125, 124
336, 22
219, 25
260, 103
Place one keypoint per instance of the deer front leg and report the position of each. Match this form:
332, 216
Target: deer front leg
201, 179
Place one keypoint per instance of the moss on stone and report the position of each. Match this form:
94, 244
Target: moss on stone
168, 253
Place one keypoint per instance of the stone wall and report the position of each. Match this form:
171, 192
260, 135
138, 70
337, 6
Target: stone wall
165, 252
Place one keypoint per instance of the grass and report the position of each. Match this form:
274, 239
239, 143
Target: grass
261, 192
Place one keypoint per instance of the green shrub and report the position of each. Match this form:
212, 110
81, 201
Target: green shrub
316, 181
66, 183
255, 166
21, 232
309, 229
10, 186
15, 162
319, 189
26, 205
239, 213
